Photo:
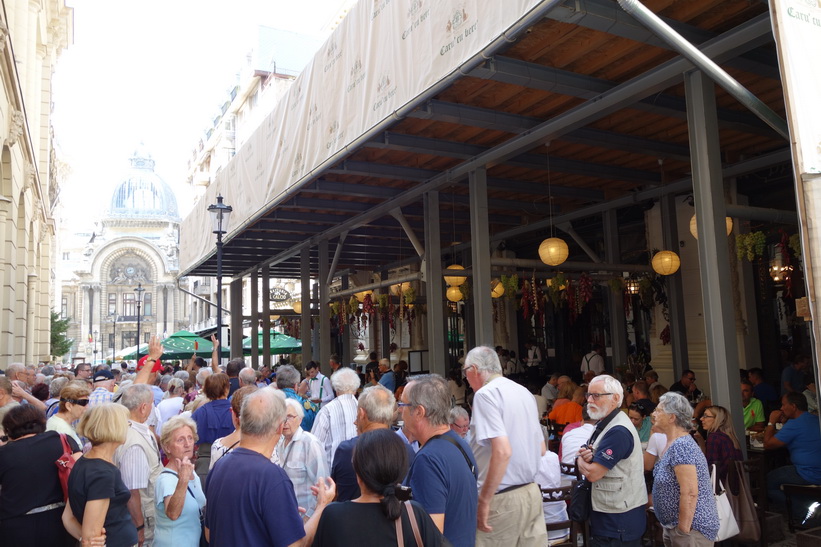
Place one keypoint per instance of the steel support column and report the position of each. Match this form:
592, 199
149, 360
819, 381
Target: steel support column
437, 334
675, 295
235, 320
324, 320
480, 253
713, 252
305, 318
254, 277
266, 316
615, 299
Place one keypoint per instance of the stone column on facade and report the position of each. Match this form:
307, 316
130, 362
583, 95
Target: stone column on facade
5, 205
42, 349
31, 317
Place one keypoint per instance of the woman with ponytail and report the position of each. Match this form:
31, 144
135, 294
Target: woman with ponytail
380, 460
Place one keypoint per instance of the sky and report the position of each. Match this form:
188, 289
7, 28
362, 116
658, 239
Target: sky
154, 71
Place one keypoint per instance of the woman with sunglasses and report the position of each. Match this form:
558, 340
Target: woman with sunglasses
722, 447
73, 404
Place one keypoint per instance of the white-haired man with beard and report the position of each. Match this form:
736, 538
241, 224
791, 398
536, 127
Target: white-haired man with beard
612, 460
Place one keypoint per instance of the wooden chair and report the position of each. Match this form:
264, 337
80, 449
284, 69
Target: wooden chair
570, 469
804, 492
564, 494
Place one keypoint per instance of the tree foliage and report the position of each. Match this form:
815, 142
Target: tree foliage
60, 343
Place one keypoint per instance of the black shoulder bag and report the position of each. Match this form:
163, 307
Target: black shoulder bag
581, 503
203, 541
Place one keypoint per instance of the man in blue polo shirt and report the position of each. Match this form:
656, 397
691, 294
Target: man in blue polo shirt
244, 487
443, 473
800, 434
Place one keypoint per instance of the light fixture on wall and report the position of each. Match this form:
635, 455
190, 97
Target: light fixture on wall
497, 289
553, 250
631, 285
728, 221
455, 281
220, 214
454, 294
778, 271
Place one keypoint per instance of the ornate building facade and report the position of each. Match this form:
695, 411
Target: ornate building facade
32, 35
125, 268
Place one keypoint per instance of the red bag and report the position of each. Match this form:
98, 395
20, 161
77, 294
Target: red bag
65, 464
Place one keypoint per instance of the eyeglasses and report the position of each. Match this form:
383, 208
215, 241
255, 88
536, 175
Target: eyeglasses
290, 417
400, 404
81, 402
691, 378
467, 367
595, 396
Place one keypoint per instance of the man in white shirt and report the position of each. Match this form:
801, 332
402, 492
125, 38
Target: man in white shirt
317, 386
594, 361
335, 421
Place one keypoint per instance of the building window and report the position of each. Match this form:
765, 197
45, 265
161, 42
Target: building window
111, 341
129, 338
148, 309
146, 337
130, 305
64, 308
112, 303
66, 256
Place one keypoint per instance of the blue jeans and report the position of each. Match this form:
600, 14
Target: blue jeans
783, 475
601, 541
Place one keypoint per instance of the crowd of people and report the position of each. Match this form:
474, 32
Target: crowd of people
293, 457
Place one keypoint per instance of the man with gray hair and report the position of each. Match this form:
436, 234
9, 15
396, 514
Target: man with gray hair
443, 473
612, 460
335, 421
247, 377
376, 409
507, 441
244, 482
53, 402
139, 460
287, 380
459, 421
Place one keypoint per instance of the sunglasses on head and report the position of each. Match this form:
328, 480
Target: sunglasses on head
81, 402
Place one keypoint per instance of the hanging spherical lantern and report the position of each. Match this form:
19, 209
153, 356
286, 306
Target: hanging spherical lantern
361, 295
400, 288
553, 251
274, 318
454, 281
728, 221
298, 307
666, 262
496, 288
454, 294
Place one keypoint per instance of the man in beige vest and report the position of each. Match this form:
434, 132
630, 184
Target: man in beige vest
614, 464
139, 460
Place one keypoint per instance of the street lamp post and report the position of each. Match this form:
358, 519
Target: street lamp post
220, 213
114, 338
95, 347
139, 290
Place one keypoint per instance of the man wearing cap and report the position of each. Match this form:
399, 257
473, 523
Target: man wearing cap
103, 382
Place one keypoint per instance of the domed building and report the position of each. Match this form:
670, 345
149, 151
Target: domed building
130, 255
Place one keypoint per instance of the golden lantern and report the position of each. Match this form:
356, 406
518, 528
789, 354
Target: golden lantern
728, 221
666, 262
631, 285
553, 251
400, 288
274, 318
454, 294
454, 281
496, 288
298, 307
361, 295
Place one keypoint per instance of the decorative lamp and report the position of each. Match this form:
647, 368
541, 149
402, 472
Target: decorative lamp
454, 294
694, 226
496, 288
298, 307
553, 251
666, 262
399, 288
778, 271
631, 285
361, 295
274, 318
454, 281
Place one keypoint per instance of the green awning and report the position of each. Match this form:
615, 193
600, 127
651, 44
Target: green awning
280, 343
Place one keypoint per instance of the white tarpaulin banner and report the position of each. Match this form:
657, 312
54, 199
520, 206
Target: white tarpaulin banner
797, 31
384, 56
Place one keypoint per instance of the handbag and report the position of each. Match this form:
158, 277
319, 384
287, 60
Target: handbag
400, 538
65, 463
741, 500
581, 503
728, 527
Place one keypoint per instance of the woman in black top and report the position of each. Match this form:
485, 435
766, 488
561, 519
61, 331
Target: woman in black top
380, 460
31, 499
96, 494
